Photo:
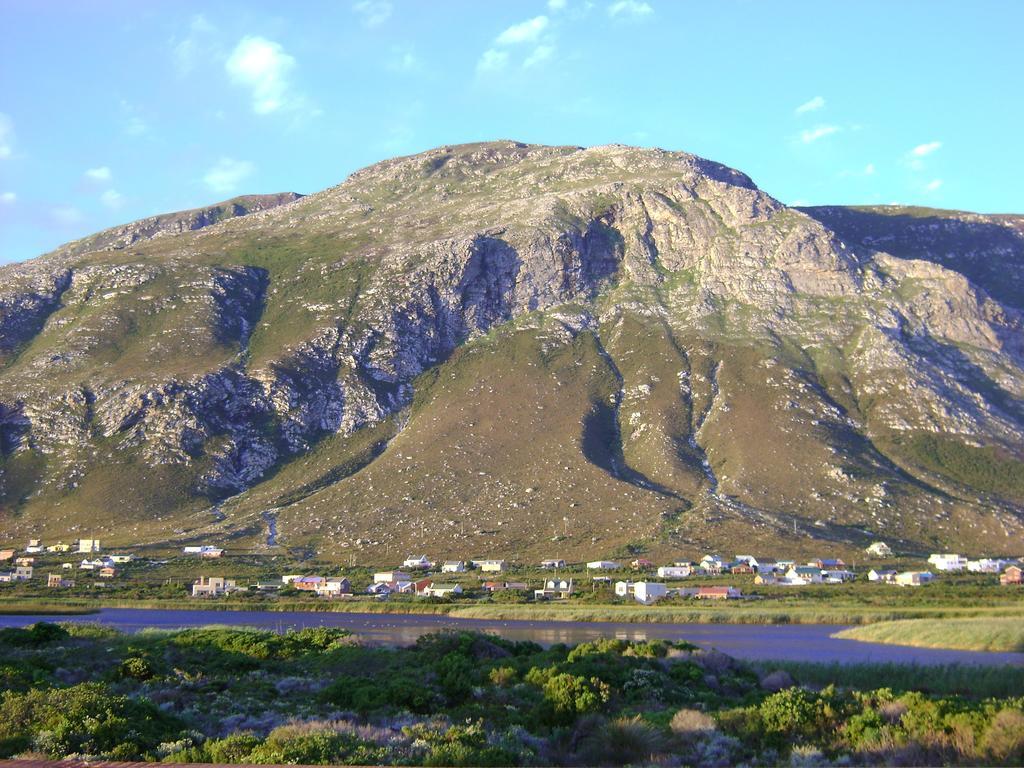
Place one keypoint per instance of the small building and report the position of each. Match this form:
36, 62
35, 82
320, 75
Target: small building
91, 565
502, 586
35, 546
308, 583
89, 545
986, 565
6, 554
554, 589
121, 559
766, 565
490, 566
60, 546
641, 563
886, 576
56, 581
829, 564
837, 576
712, 564
808, 574
948, 562
25, 561
108, 572
603, 565
212, 586
22, 573
674, 571
913, 578
204, 550
646, 592
453, 566
879, 549
1011, 576
717, 593
766, 579
417, 563
442, 590
385, 577
741, 567
552, 563
334, 586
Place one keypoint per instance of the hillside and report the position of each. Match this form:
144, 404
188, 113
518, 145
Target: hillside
525, 350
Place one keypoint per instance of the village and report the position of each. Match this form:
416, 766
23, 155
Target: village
637, 580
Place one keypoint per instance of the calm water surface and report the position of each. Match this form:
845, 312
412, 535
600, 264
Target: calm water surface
756, 642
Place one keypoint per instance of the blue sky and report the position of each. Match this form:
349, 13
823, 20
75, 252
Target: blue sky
111, 111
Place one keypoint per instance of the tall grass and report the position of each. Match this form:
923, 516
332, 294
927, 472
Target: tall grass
945, 680
988, 634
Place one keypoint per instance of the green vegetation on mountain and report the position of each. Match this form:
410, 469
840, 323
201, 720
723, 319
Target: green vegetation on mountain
485, 347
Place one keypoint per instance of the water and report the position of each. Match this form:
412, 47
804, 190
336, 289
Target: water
755, 642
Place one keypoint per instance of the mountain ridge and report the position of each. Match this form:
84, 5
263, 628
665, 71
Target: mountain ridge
679, 353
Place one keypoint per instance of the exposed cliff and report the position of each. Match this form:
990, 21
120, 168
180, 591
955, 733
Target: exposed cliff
485, 345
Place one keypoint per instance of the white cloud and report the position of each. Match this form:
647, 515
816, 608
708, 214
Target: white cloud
540, 53
8, 198
869, 169
933, 185
636, 9
262, 66
227, 174
819, 132
556, 5
100, 174
403, 60
525, 32
373, 12
492, 60
197, 46
112, 199
925, 149
811, 106
67, 215
6, 136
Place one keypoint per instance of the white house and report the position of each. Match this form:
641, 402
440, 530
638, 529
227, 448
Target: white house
553, 563
837, 576
808, 574
879, 549
442, 590
22, 573
712, 563
91, 565
89, 545
35, 546
913, 578
453, 566
674, 571
334, 586
603, 565
883, 576
205, 550
554, 589
490, 566
121, 558
211, 586
948, 562
385, 577
646, 592
414, 562
986, 565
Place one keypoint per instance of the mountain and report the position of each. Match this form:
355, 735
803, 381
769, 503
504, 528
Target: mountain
522, 351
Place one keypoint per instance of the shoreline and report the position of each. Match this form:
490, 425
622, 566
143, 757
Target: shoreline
630, 614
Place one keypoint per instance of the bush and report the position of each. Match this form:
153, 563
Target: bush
135, 668
1004, 741
569, 696
34, 635
690, 724
83, 719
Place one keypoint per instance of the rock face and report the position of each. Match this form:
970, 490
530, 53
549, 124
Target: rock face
484, 345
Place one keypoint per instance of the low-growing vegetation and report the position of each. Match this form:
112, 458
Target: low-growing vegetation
230, 695
993, 634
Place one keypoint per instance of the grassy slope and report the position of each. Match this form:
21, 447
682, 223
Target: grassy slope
990, 634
